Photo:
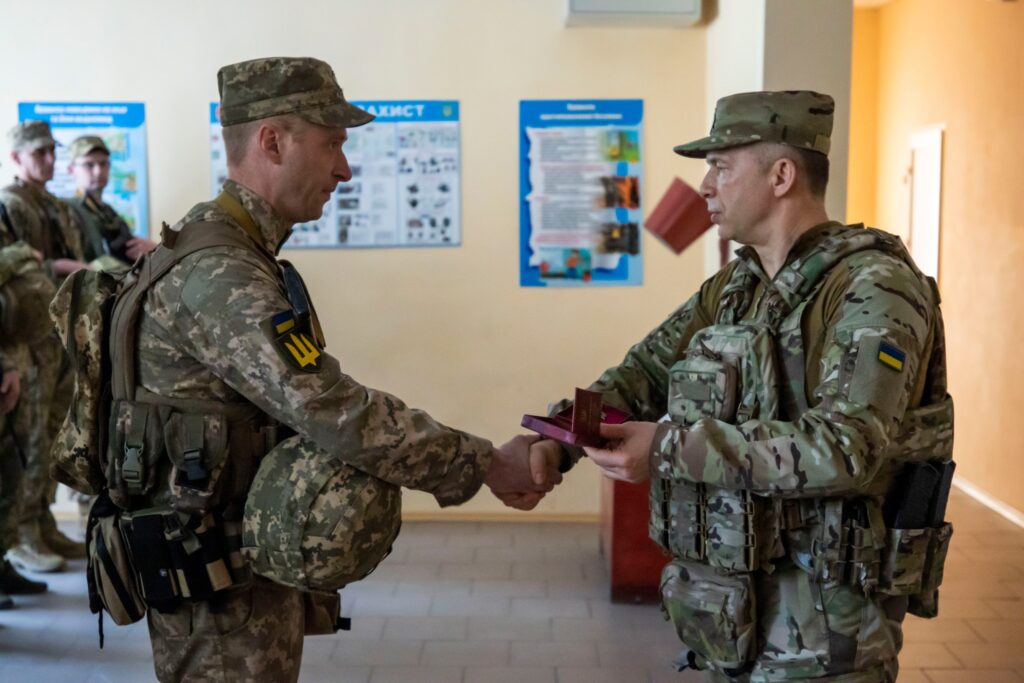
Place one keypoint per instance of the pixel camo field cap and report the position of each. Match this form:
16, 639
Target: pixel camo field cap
272, 86
801, 118
30, 135
86, 144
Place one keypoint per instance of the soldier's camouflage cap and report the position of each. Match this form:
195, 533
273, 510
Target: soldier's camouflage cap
86, 144
272, 86
801, 118
30, 135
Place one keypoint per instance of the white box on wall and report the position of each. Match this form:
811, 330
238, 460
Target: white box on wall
679, 13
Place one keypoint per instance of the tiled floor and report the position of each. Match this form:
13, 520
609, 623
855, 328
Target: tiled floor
511, 603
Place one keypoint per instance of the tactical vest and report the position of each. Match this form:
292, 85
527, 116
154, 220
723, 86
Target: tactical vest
737, 370
58, 243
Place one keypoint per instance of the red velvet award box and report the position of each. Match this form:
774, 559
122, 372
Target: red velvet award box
578, 425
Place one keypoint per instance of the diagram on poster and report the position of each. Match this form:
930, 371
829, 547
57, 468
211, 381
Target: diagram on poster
406, 180
122, 125
580, 176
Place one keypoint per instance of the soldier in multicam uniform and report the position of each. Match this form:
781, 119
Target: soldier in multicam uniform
42, 221
773, 410
103, 232
229, 331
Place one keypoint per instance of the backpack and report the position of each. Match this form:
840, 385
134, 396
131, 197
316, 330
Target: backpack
83, 312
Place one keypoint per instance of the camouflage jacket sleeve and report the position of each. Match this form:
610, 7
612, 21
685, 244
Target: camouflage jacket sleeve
227, 301
12, 258
639, 382
877, 334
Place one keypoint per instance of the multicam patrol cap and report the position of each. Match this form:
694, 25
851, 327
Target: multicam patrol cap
30, 135
86, 144
801, 118
261, 88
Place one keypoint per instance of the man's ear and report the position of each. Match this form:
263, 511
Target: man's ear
269, 139
783, 176
15, 158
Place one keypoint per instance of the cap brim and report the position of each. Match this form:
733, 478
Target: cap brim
343, 115
698, 149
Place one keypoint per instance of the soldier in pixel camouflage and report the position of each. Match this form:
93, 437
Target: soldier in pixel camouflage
773, 411
107, 240
42, 221
230, 332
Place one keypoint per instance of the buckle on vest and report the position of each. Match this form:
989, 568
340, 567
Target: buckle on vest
193, 467
131, 468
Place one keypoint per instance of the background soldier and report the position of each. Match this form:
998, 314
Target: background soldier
13, 418
103, 231
230, 330
43, 222
787, 386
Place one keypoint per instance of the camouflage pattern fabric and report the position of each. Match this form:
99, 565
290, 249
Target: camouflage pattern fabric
800, 118
30, 135
274, 86
42, 221
253, 636
203, 336
85, 144
103, 231
315, 523
816, 616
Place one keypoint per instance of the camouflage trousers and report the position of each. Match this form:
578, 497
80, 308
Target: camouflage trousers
46, 395
253, 634
807, 632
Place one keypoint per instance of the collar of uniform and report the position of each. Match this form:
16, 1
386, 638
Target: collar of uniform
789, 280
274, 229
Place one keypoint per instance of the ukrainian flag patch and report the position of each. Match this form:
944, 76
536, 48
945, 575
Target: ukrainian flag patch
283, 321
890, 356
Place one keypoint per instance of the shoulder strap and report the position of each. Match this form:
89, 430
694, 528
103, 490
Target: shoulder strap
124, 323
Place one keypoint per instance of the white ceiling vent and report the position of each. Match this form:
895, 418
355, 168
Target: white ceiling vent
633, 12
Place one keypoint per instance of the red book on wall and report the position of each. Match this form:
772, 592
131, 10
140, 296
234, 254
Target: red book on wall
680, 217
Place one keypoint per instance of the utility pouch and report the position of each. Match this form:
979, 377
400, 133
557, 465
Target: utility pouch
323, 613
144, 533
903, 562
198, 557
197, 446
686, 522
111, 579
731, 530
702, 387
713, 614
925, 603
135, 450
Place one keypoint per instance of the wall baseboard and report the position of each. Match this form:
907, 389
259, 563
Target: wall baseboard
518, 517
994, 504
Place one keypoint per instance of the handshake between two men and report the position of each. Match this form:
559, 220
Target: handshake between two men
526, 468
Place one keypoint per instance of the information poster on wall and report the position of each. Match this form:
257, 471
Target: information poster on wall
406, 180
122, 125
579, 184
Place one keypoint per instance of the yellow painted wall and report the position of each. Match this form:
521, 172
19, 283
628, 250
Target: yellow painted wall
860, 189
449, 330
959, 63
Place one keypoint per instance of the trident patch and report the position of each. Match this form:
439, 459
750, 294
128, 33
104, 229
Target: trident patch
294, 340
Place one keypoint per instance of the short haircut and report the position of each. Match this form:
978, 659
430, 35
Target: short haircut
238, 136
813, 165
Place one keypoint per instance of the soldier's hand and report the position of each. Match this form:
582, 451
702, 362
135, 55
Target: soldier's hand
510, 470
626, 457
545, 456
137, 246
521, 501
10, 390
66, 266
